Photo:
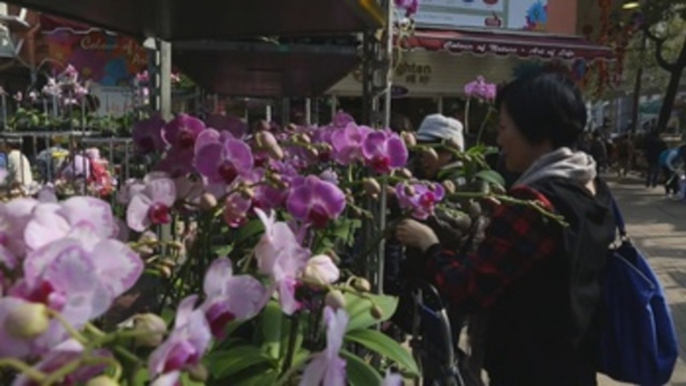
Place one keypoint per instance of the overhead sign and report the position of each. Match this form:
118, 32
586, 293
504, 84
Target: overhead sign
529, 15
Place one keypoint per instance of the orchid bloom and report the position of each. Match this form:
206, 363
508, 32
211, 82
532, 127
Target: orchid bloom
421, 199
184, 347
316, 202
384, 151
347, 143
147, 135
280, 256
410, 6
236, 209
152, 204
321, 270
480, 89
182, 132
230, 297
222, 158
61, 355
14, 216
51, 222
328, 367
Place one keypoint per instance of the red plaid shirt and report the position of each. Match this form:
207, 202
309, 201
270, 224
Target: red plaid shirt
516, 239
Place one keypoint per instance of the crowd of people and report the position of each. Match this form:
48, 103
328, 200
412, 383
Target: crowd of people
647, 154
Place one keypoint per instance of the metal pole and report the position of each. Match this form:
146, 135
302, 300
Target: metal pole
387, 55
165, 80
308, 111
268, 113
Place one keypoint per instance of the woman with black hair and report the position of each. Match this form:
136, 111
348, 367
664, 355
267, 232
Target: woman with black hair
538, 279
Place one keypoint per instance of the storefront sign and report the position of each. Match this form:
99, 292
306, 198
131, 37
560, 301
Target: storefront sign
509, 49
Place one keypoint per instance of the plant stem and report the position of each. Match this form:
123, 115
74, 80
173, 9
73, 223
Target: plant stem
483, 125
35, 375
288, 374
67, 326
292, 336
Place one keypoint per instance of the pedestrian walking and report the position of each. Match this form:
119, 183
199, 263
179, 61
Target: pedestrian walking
653, 147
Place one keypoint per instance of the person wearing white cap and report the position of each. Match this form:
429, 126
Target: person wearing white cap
437, 128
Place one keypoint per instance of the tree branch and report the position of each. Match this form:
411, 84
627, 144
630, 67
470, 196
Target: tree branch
659, 50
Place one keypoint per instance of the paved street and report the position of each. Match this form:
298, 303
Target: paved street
658, 226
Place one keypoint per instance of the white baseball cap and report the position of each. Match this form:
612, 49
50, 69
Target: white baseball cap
438, 127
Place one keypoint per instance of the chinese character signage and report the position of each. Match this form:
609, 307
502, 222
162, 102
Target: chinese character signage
511, 14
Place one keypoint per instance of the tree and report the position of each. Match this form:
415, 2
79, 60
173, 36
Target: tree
664, 28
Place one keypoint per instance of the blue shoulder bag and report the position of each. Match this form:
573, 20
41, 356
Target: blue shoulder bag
638, 341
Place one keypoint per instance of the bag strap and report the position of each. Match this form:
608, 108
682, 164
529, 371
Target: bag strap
619, 219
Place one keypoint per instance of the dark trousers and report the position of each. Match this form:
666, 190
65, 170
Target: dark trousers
671, 181
653, 176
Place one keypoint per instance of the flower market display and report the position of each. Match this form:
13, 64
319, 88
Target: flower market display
254, 244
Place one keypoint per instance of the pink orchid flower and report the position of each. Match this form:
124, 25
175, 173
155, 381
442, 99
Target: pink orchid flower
280, 256
230, 297
421, 199
152, 204
347, 143
62, 354
315, 201
384, 151
50, 222
328, 367
184, 347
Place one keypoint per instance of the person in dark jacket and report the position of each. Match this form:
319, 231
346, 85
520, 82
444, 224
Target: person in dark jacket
539, 279
653, 147
598, 151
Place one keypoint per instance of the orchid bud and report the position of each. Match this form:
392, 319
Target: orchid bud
320, 271
208, 201
335, 299
371, 187
102, 380
453, 143
449, 186
198, 373
431, 155
262, 125
27, 321
305, 138
376, 312
177, 245
247, 193
148, 238
266, 141
165, 271
154, 325
313, 152
409, 139
361, 284
403, 172
325, 148
409, 190
498, 189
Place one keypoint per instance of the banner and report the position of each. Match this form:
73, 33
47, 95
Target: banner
107, 59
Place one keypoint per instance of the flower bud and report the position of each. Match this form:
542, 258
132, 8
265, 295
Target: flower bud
305, 138
449, 186
325, 148
102, 380
409, 190
154, 325
371, 187
247, 193
335, 299
409, 138
27, 321
361, 284
404, 172
313, 152
198, 373
376, 312
208, 201
498, 189
267, 142
320, 271
148, 238
165, 271
453, 143
430, 155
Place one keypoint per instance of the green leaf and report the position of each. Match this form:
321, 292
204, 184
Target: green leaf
187, 381
222, 250
359, 309
359, 372
382, 344
251, 229
141, 378
491, 176
259, 379
222, 364
271, 324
